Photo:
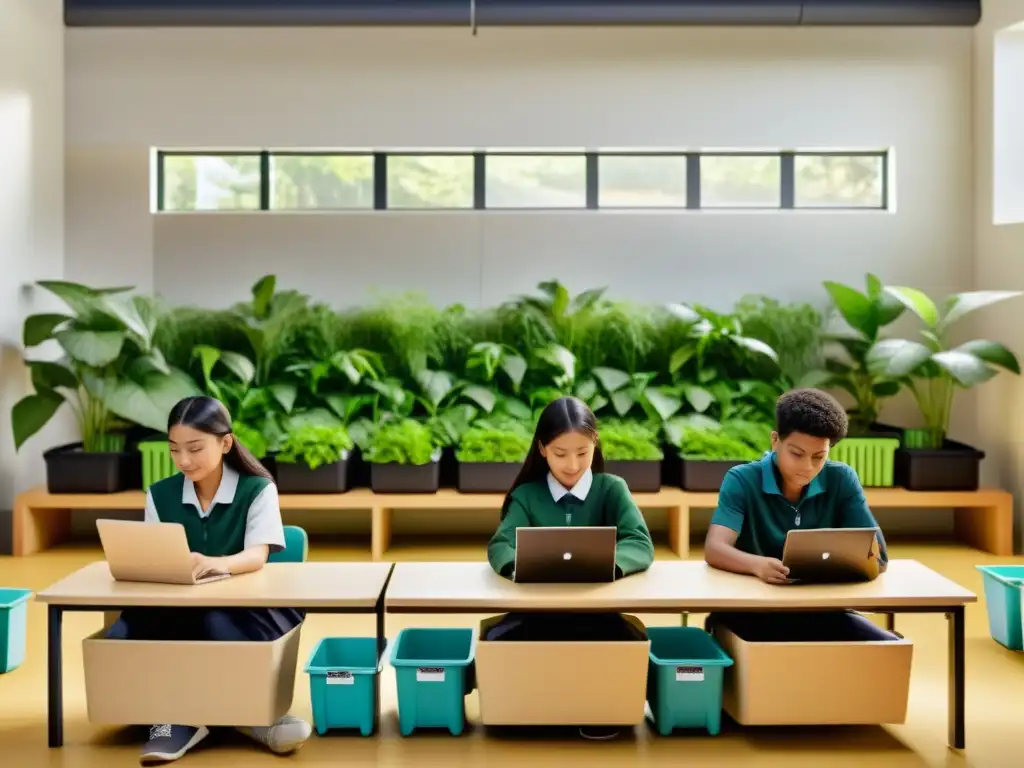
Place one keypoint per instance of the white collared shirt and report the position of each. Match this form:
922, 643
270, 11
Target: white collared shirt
580, 490
263, 524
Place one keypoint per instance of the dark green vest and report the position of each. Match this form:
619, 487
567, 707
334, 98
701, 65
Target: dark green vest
222, 532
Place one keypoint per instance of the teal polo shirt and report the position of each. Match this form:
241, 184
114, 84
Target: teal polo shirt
751, 503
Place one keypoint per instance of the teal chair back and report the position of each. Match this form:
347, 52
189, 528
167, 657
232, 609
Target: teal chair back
296, 546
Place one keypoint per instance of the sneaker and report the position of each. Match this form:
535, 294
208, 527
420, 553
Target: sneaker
598, 732
286, 735
169, 742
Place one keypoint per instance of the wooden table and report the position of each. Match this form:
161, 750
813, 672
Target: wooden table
314, 587
690, 586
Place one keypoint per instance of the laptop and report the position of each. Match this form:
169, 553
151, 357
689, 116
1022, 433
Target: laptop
156, 553
830, 555
565, 555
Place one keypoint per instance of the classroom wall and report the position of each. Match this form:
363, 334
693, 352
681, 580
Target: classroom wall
999, 247
31, 206
130, 90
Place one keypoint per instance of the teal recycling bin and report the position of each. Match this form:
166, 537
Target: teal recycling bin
433, 670
344, 684
1002, 601
685, 679
13, 627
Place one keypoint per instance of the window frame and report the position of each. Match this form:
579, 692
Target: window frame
592, 160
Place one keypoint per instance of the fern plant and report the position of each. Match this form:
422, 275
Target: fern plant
495, 441
623, 440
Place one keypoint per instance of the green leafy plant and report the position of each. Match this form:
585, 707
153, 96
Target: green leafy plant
402, 441
110, 370
934, 370
847, 356
793, 331
623, 440
315, 445
495, 441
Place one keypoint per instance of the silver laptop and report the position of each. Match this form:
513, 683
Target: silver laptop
565, 555
830, 555
156, 553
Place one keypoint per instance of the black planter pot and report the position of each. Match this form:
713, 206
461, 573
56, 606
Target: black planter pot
299, 478
954, 467
696, 475
487, 477
640, 476
406, 478
69, 469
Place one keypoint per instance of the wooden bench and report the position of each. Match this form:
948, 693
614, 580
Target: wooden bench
983, 519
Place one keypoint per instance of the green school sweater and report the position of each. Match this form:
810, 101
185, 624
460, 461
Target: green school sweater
609, 502
222, 532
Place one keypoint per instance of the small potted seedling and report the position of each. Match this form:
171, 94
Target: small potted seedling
403, 458
490, 455
313, 458
632, 451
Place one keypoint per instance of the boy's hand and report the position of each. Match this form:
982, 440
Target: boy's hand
771, 571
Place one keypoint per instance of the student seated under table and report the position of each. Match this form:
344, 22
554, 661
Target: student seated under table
228, 504
563, 483
795, 486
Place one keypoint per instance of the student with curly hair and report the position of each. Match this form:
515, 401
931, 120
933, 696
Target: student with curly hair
795, 486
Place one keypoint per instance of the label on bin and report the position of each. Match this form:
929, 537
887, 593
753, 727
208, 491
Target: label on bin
430, 675
340, 678
689, 674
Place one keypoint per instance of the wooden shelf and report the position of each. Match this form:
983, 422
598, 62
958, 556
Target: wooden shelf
983, 519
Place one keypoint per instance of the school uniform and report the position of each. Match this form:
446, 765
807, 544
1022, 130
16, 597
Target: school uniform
596, 500
751, 503
245, 512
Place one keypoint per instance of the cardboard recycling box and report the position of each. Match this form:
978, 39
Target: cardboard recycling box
814, 669
142, 682
562, 682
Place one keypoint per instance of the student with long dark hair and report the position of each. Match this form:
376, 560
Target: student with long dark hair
228, 504
563, 483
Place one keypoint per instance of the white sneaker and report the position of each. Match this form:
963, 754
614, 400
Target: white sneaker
285, 736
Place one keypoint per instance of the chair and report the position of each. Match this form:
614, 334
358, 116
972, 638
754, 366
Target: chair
296, 546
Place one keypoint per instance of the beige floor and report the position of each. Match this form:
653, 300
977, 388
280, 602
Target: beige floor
995, 714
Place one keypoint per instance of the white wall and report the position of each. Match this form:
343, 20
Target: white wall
999, 249
31, 204
129, 90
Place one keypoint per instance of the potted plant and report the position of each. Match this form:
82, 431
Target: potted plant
110, 375
869, 448
934, 370
632, 450
313, 458
490, 455
403, 458
708, 449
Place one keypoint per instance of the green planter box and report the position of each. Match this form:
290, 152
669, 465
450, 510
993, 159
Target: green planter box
872, 458
157, 463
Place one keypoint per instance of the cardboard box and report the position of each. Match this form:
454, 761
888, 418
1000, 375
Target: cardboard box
135, 682
562, 683
842, 680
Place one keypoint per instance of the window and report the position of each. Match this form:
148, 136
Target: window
211, 182
536, 181
641, 181
321, 182
740, 181
465, 180
430, 181
840, 181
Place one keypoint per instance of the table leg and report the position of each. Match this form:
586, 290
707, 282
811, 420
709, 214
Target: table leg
956, 618
890, 622
55, 678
